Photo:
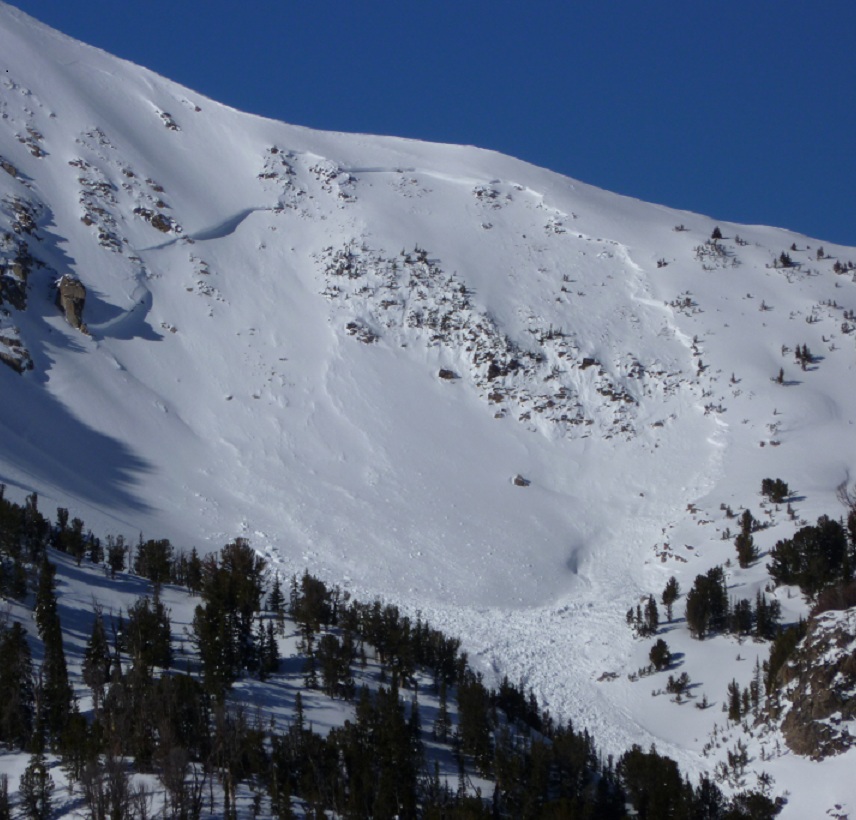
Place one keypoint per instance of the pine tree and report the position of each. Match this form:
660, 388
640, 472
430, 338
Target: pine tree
154, 561
194, 571
55, 693
276, 604
147, 636
36, 789
443, 723
652, 616
17, 698
96, 660
660, 656
271, 655
670, 594
45, 610
116, 551
5, 806
96, 550
747, 552
707, 603
735, 710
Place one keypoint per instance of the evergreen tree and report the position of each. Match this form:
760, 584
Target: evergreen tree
220, 665
45, 610
96, 660
194, 571
443, 723
707, 603
147, 635
767, 616
473, 720
154, 561
660, 656
55, 693
775, 489
735, 708
116, 551
276, 604
815, 557
232, 589
670, 594
96, 550
654, 785
652, 616
747, 552
5, 805
36, 789
17, 698
75, 540
740, 618
36, 528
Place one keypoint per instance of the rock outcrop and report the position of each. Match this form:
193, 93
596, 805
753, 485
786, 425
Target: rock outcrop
12, 350
71, 298
819, 687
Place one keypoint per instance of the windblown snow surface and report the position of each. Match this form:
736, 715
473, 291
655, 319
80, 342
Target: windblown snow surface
270, 308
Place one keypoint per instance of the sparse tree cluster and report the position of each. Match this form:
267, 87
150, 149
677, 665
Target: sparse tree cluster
644, 620
744, 543
775, 489
815, 557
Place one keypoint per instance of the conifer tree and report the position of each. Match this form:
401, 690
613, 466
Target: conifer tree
670, 594
5, 806
652, 616
55, 693
36, 789
17, 698
45, 611
96, 660
147, 636
734, 702
276, 604
660, 656
747, 552
116, 551
443, 723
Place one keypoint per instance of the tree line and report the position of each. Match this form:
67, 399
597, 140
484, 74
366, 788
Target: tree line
183, 727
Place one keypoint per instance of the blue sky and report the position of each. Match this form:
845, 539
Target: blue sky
745, 111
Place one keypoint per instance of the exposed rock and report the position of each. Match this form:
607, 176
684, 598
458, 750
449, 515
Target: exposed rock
520, 481
14, 271
71, 297
157, 220
8, 167
361, 332
819, 687
12, 351
447, 374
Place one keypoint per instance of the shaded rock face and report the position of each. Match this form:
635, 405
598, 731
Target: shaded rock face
12, 351
71, 297
819, 693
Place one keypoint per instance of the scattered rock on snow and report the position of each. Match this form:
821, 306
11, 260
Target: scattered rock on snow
71, 297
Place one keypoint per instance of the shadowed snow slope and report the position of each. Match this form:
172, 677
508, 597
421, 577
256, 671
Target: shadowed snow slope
269, 310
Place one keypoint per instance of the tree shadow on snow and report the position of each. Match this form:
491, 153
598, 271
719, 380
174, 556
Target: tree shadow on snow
52, 449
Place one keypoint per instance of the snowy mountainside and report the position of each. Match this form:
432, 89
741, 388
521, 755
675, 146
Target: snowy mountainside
269, 309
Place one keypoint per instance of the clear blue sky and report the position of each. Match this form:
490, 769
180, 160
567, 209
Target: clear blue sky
745, 111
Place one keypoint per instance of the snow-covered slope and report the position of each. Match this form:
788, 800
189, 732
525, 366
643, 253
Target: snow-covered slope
269, 309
